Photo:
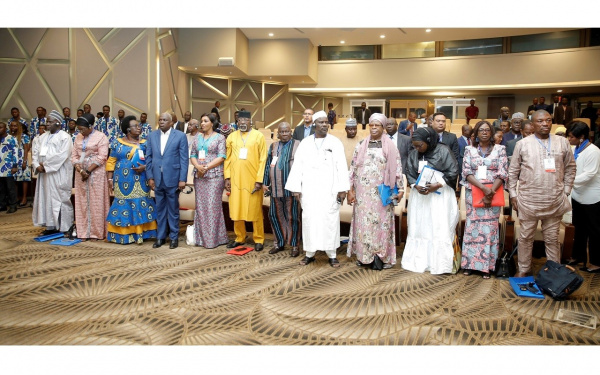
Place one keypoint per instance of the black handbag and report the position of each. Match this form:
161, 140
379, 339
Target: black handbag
377, 264
505, 264
558, 280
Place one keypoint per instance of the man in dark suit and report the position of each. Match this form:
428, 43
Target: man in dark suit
403, 142
166, 170
542, 105
215, 110
449, 139
179, 125
532, 107
563, 113
463, 141
363, 115
407, 127
307, 128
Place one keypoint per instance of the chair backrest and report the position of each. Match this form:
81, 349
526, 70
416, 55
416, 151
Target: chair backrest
266, 132
586, 120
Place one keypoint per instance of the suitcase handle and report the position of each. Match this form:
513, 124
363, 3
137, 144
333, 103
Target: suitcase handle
569, 267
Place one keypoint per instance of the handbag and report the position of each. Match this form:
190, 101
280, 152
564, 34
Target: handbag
377, 264
190, 239
558, 280
497, 201
505, 264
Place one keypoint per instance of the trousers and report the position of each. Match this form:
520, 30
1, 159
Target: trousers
550, 230
239, 228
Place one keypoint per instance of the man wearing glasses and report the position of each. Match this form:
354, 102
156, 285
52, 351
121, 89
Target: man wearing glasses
307, 127
544, 167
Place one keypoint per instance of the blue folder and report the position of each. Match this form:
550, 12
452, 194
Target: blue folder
49, 237
65, 242
385, 192
515, 283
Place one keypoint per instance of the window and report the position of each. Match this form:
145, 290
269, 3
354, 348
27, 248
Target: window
541, 42
488, 46
347, 53
452, 108
408, 50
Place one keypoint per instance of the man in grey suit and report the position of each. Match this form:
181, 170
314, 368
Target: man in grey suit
166, 170
403, 142
307, 128
449, 139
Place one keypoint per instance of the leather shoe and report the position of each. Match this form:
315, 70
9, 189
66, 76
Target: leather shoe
258, 247
48, 231
11, 210
275, 249
174, 244
295, 252
233, 244
158, 243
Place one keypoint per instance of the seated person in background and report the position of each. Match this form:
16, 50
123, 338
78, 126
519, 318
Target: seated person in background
504, 116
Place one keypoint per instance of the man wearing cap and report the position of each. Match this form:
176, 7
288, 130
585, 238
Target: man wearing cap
307, 128
244, 172
319, 179
515, 128
108, 125
167, 160
51, 157
351, 139
36, 121
284, 210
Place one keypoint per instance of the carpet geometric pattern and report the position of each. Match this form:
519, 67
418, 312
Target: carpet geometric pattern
95, 293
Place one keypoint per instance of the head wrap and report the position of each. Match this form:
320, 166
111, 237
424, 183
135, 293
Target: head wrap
517, 115
378, 117
351, 122
560, 129
390, 152
55, 115
427, 135
226, 129
87, 120
244, 114
319, 114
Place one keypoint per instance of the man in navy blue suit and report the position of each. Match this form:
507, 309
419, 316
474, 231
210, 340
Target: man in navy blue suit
463, 141
166, 170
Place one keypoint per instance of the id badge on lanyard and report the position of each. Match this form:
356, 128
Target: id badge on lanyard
549, 165
422, 163
243, 153
482, 172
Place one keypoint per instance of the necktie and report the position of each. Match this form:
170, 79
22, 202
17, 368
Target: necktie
469, 141
391, 137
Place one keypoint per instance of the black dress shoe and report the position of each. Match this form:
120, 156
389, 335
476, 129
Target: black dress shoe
275, 249
158, 243
295, 252
48, 231
233, 244
11, 210
174, 244
258, 247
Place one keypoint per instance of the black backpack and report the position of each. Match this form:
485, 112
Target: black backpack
558, 280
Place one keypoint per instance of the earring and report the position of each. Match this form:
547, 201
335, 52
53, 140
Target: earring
476, 139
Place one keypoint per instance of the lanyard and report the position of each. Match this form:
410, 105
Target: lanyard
549, 144
243, 140
488, 151
85, 140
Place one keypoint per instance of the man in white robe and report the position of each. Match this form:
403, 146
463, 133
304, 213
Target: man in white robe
319, 178
51, 155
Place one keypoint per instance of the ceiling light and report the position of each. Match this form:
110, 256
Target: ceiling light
341, 41
382, 36
271, 34
558, 90
428, 30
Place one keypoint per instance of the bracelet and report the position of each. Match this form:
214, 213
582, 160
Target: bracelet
88, 172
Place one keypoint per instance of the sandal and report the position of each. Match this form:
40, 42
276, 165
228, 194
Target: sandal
333, 262
467, 272
306, 261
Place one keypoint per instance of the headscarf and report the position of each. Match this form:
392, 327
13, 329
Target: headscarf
437, 156
388, 148
319, 115
560, 129
87, 120
427, 135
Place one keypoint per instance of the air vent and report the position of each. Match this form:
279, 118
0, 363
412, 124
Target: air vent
225, 61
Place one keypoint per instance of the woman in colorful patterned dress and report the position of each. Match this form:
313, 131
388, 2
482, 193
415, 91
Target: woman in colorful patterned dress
207, 155
89, 155
131, 218
23, 175
484, 163
376, 161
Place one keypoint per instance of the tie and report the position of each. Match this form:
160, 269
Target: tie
440, 137
469, 141
391, 137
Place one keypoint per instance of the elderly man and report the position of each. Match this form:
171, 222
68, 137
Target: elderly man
515, 128
307, 127
504, 116
108, 125
319, 178
284, 211
544, 167
244, 173
407, 127
51, 156
362, 115
350, 140
166, 169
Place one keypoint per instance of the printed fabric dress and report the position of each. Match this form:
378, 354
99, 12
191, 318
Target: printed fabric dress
131, 217
23, 174
209, 222
372, 231
481, 239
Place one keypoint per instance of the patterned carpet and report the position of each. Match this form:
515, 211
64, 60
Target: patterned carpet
96, 293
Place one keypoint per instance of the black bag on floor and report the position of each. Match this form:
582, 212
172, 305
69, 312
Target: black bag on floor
377, 264
505, 264
558, 280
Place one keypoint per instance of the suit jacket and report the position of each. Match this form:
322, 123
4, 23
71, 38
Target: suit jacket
450, 140
215, 110
547, 107
404, 144
299, 132
403, 125
358, 115
560, 112
510, 148
461, 151
179, 125
172, 166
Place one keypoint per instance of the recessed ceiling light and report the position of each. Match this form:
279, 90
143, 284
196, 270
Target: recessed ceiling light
382, 36
195, 68
558, 90
341, 41
271, 34
428, 30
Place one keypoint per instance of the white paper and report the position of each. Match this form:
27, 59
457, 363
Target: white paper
430, 175
422, 163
